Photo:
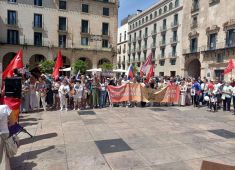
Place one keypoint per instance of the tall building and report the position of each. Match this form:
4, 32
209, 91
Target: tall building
83, 29
158, 30
208, 41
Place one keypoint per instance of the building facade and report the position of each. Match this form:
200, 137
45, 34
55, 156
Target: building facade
158, 30
82, 29
209, 37
122, 46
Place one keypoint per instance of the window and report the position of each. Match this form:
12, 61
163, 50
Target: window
146, 31
106, 11
220, 58
163, 39
125, 36
230, 38
38, 39
155, 28
173, 73
195, 6
164, 24
142, 20
162, 52
12, 37
84, 41
11, 17
62, 41
174, 36
212, 41
12, 1
38, 2
160, 11
140, 33
176, 19
146, 18
165, 9
174, 51
62, 24
139, 22
173, 62
162, 62
105, 43
136, 24
151, 16
155, 14
170, 6
161, 73
105, 29
85, 8
176, 3
85, 26
194, 22
193, 45
37, 20
62, 4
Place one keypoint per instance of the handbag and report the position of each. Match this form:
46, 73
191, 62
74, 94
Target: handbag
11, 144
67, 95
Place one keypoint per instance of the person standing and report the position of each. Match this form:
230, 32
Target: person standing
183, 90
55, 89
41, 92
103, 93
32, 91
26, 96
226, 96
95, 91
64, 95
77, 97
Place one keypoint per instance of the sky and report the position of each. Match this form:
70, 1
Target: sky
131, 6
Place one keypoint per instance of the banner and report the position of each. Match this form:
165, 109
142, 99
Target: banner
138, 93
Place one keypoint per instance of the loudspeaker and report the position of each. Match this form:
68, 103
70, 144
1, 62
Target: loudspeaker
13, 87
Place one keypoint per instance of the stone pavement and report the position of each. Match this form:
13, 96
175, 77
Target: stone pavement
165, 138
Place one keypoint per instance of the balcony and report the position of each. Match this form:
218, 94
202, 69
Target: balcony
145, 36
213, 2
194, 25
63, 28
191, 51
139, 38
134, 40
124, 50
173, 55
154, 32
174, 25
144, 48
163, 29
153, 46
174, 40
162, 43
195, 8
12, 23
38, 26
138, 50
133, 51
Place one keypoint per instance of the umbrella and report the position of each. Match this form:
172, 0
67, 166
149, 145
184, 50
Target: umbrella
95, 70
66, 69
119, 71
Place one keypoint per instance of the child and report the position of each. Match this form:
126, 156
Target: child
213, 102
78, 90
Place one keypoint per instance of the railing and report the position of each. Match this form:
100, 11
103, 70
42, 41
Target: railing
174, 24
163, 28
154, 32
144, 48
162, 43
191, 50
174, 40
139, 38
134, 40
195, 7
172, 54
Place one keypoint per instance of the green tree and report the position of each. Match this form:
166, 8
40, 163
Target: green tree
107, 66
135, 69
81, 66
47, 66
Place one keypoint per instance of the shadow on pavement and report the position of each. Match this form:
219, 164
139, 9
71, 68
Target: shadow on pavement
17, 163
37, 138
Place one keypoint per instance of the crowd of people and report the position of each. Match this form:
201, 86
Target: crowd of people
90, 91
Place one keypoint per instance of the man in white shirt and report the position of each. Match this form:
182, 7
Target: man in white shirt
226, 96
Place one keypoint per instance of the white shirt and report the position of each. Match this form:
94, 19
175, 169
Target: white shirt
233, 91
227, 89
78, 91
5, 111
64, 89
216, 88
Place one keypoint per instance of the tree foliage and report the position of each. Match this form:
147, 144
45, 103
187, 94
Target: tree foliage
47, 66
107, 66
81, 66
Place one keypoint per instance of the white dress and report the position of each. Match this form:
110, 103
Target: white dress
33, 97
183, 91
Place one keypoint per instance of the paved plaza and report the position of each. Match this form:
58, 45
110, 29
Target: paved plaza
162, 138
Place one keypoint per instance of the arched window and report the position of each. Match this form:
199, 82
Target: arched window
146, 18
155, 14
130, 27
142, 20
139, 22
160, 11
136, 24
176, 3
170, 6
151, 16
165, 9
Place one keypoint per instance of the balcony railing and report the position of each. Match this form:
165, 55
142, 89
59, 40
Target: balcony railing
174, 40
139, 38
145, 35
154, 32
191, 50
153, 46
163, 28
162, 43
172, 54
174, 24
195, 8
134, 40
194, 25
144, 48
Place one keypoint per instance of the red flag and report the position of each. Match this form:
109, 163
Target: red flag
230, 67
147, 62
58, 65
150, 74
16, 63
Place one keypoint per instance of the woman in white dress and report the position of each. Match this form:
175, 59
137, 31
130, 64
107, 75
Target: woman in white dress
183, 90
41, 92
64, 95
32, 92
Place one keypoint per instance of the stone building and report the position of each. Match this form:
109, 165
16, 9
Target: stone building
158, 29
83, 29
208, 41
